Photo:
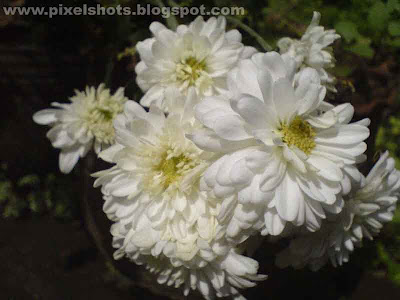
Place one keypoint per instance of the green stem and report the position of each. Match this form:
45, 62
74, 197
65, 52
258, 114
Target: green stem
171, 20
250, 31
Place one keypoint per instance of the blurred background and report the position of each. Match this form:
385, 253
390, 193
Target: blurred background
54, 238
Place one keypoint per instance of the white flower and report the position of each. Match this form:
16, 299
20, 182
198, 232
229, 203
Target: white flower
87, 120
312, 50
199, 55
153, 194
333, 242
367, 207
221, 277
375, 202
284, 151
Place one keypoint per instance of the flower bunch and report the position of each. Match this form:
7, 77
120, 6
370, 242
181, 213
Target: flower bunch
232, 143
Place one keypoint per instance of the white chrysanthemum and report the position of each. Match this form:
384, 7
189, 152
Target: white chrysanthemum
313, 50
153, 194
334, 242
284, 150
367, 207
87, 120
375, 202
199, 55
220, 277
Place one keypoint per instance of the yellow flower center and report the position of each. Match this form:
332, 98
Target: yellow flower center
299, 133
190, 70
169, 170
100, 119
173, 168
105, 114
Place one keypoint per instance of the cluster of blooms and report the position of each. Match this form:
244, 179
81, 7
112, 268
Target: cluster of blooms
234, 143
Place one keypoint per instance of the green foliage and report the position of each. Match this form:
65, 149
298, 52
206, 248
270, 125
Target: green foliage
363, 24
348, 31
378, 16
28, 180
388, 137
394, 28
389, 250
33, 195
380, 28
5, 188
362, 48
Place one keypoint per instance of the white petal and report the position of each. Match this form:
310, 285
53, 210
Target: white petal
68, 159
108, 154
45, 116
274, 223
251, 109
345, 134
231, 128
287, 198
326, 168
284, 99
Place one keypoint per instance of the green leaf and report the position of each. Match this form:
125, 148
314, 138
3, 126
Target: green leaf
10, 211
362, 48
5, 190
394, 28
396, 217
343, 70
348, 30
378, 16
383, 254
33, 203
29, 180
14, 208
395, 43
393, 5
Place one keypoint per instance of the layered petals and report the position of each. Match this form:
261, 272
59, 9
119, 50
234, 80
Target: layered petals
153, 195
84, 123
198, 56
284, 147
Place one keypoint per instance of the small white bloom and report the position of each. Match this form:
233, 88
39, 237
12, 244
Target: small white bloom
375, 202
284, 151
367, 207
199, 55
87, 120
313, 50
333, 242
153, 194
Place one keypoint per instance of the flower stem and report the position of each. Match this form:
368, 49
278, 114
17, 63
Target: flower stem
171, 20
250, 31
